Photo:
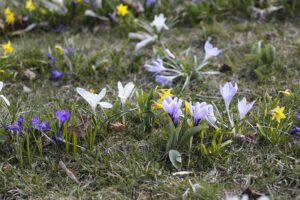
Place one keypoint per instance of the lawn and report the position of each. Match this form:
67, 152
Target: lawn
106, 100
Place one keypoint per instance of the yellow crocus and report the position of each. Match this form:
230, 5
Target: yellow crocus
278, 114
7, 48
122, 10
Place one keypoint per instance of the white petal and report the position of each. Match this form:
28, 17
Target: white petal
120, 88
105, 105
144, 43
128, 89
1, 85
5, 100
101, 94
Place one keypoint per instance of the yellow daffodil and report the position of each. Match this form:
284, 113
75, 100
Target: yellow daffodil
7, 48
10, 16
29, 5
60, 50
278, 114
122, 10
285, 93
78, 1
162, 95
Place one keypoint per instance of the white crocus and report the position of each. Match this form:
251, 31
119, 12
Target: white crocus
125, 92
244, 107
159, 23
2, 96
210, 116
210, 51
94, 99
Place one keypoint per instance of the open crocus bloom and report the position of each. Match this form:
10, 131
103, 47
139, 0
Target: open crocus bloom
2, 96
125, 92
244, 107
227, 92
198, 111
173, 108
94, 99
159, 23
210, 51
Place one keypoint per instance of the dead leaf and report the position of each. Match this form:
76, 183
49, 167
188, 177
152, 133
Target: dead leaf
118, 127
253, 195
1, 24
69, 172
7, 167
29, 74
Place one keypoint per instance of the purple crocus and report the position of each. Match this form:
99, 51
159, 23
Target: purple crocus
298, 117
227, 92
198, 111
244, 107
17, 126
150, 3
156, 66
56, 75
40, 126
62, 116
173, 108
164, 80
294, 130
51, 58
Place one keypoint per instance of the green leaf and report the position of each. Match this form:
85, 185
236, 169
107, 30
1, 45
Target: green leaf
191, 132
175, 158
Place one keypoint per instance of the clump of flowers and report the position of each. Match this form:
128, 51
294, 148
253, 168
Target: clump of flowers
228, 91
153, 31
170, 68
29, 5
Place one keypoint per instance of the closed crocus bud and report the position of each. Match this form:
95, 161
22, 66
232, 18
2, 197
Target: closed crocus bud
228, 91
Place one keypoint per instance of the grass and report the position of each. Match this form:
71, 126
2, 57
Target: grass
133, 165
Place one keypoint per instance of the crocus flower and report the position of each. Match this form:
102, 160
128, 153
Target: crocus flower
94, 99
198, 111
51, 58
40, 126
164, 80
150, 3
62, 116
244, 107
56, 75
145, 42
210, 51
125, 92
173, 108
227, 92
294, 130
156, 66
159, 23
16, 126
210, 116
2, 96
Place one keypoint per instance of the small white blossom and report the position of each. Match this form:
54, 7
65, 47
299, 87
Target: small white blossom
159, 23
